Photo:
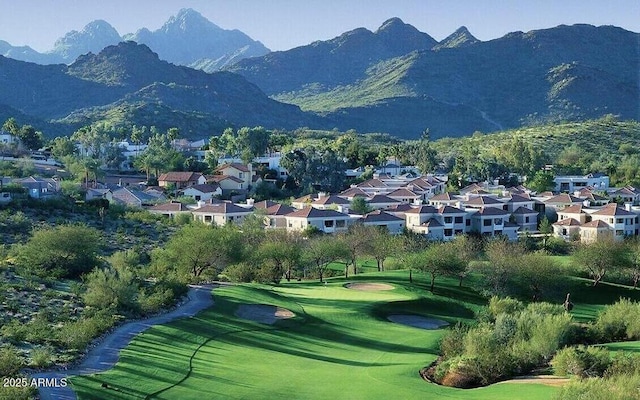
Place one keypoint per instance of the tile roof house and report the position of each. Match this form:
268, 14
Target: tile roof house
133, 198
39, 188
275, 215
244, 173
381, 201
221, 214
170, 209
327, 221
392, 223
203, 191
181, 180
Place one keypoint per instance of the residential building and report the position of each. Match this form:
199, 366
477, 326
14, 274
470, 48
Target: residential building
170, 210
383, 219
221, 214
204, 191
181, 180
327, 221
571, 183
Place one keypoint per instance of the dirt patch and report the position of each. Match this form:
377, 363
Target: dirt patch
262, 313
417, 321
369, 286
550, 380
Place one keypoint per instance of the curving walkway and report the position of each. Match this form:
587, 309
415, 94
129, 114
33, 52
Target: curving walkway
104, 355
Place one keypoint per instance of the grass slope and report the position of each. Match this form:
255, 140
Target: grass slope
339, 345
592, 136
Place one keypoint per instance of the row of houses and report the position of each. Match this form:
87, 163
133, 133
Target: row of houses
421, 205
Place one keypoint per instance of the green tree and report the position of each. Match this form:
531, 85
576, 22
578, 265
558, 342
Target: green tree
62, 146
541, 181
360, 206
61, 251
30, 138
322, 250
468, 249
600, 257
439, 259
277, 254
112, 288
546, 229
198, 248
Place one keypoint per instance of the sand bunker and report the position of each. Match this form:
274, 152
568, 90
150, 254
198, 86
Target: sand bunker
369, 286
417, 321
549, 380
263, 313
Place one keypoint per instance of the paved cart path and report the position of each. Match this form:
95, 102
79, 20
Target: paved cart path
106, 353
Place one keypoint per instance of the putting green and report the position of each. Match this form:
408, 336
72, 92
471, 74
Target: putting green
339, 345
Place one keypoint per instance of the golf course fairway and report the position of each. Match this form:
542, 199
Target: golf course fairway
339, 344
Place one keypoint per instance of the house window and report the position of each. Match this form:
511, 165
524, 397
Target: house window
328, 224
340, 224
241, 175
526, 220
564, 232
198, 198
448, 232
458, 232
486, 222
459, 220
619, 232
468, 222
497, 221
619, 220
208, 218
447, 220
496, 233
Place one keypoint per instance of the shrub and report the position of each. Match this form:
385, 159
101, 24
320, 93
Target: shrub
624, 363
10, 361
38, 330
451, 344
505, 305
242, 272
581, 361
42, 357
77, 335
14, 331
619, 321
619, 387
155, 301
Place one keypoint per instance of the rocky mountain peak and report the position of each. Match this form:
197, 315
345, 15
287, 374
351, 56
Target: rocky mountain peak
461, 37
95, 36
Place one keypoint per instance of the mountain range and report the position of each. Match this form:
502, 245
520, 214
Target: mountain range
363, 80
187, 39
395, 79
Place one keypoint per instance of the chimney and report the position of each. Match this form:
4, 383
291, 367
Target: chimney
627, 206
586, 203
322, 194
201, 203
250, 202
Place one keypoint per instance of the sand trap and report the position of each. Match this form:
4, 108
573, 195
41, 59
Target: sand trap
369, 286
550, 380
263, 313
417, 321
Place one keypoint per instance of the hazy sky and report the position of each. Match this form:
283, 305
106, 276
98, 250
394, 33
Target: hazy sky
283, 24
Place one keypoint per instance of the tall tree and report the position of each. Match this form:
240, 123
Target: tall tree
197, 249
322, 250
600, 257
62, 251
439, 259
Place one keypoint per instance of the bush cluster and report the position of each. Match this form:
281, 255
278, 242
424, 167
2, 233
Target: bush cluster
511, 339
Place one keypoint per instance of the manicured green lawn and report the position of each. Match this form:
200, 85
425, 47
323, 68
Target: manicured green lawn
339, 346
624, 346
